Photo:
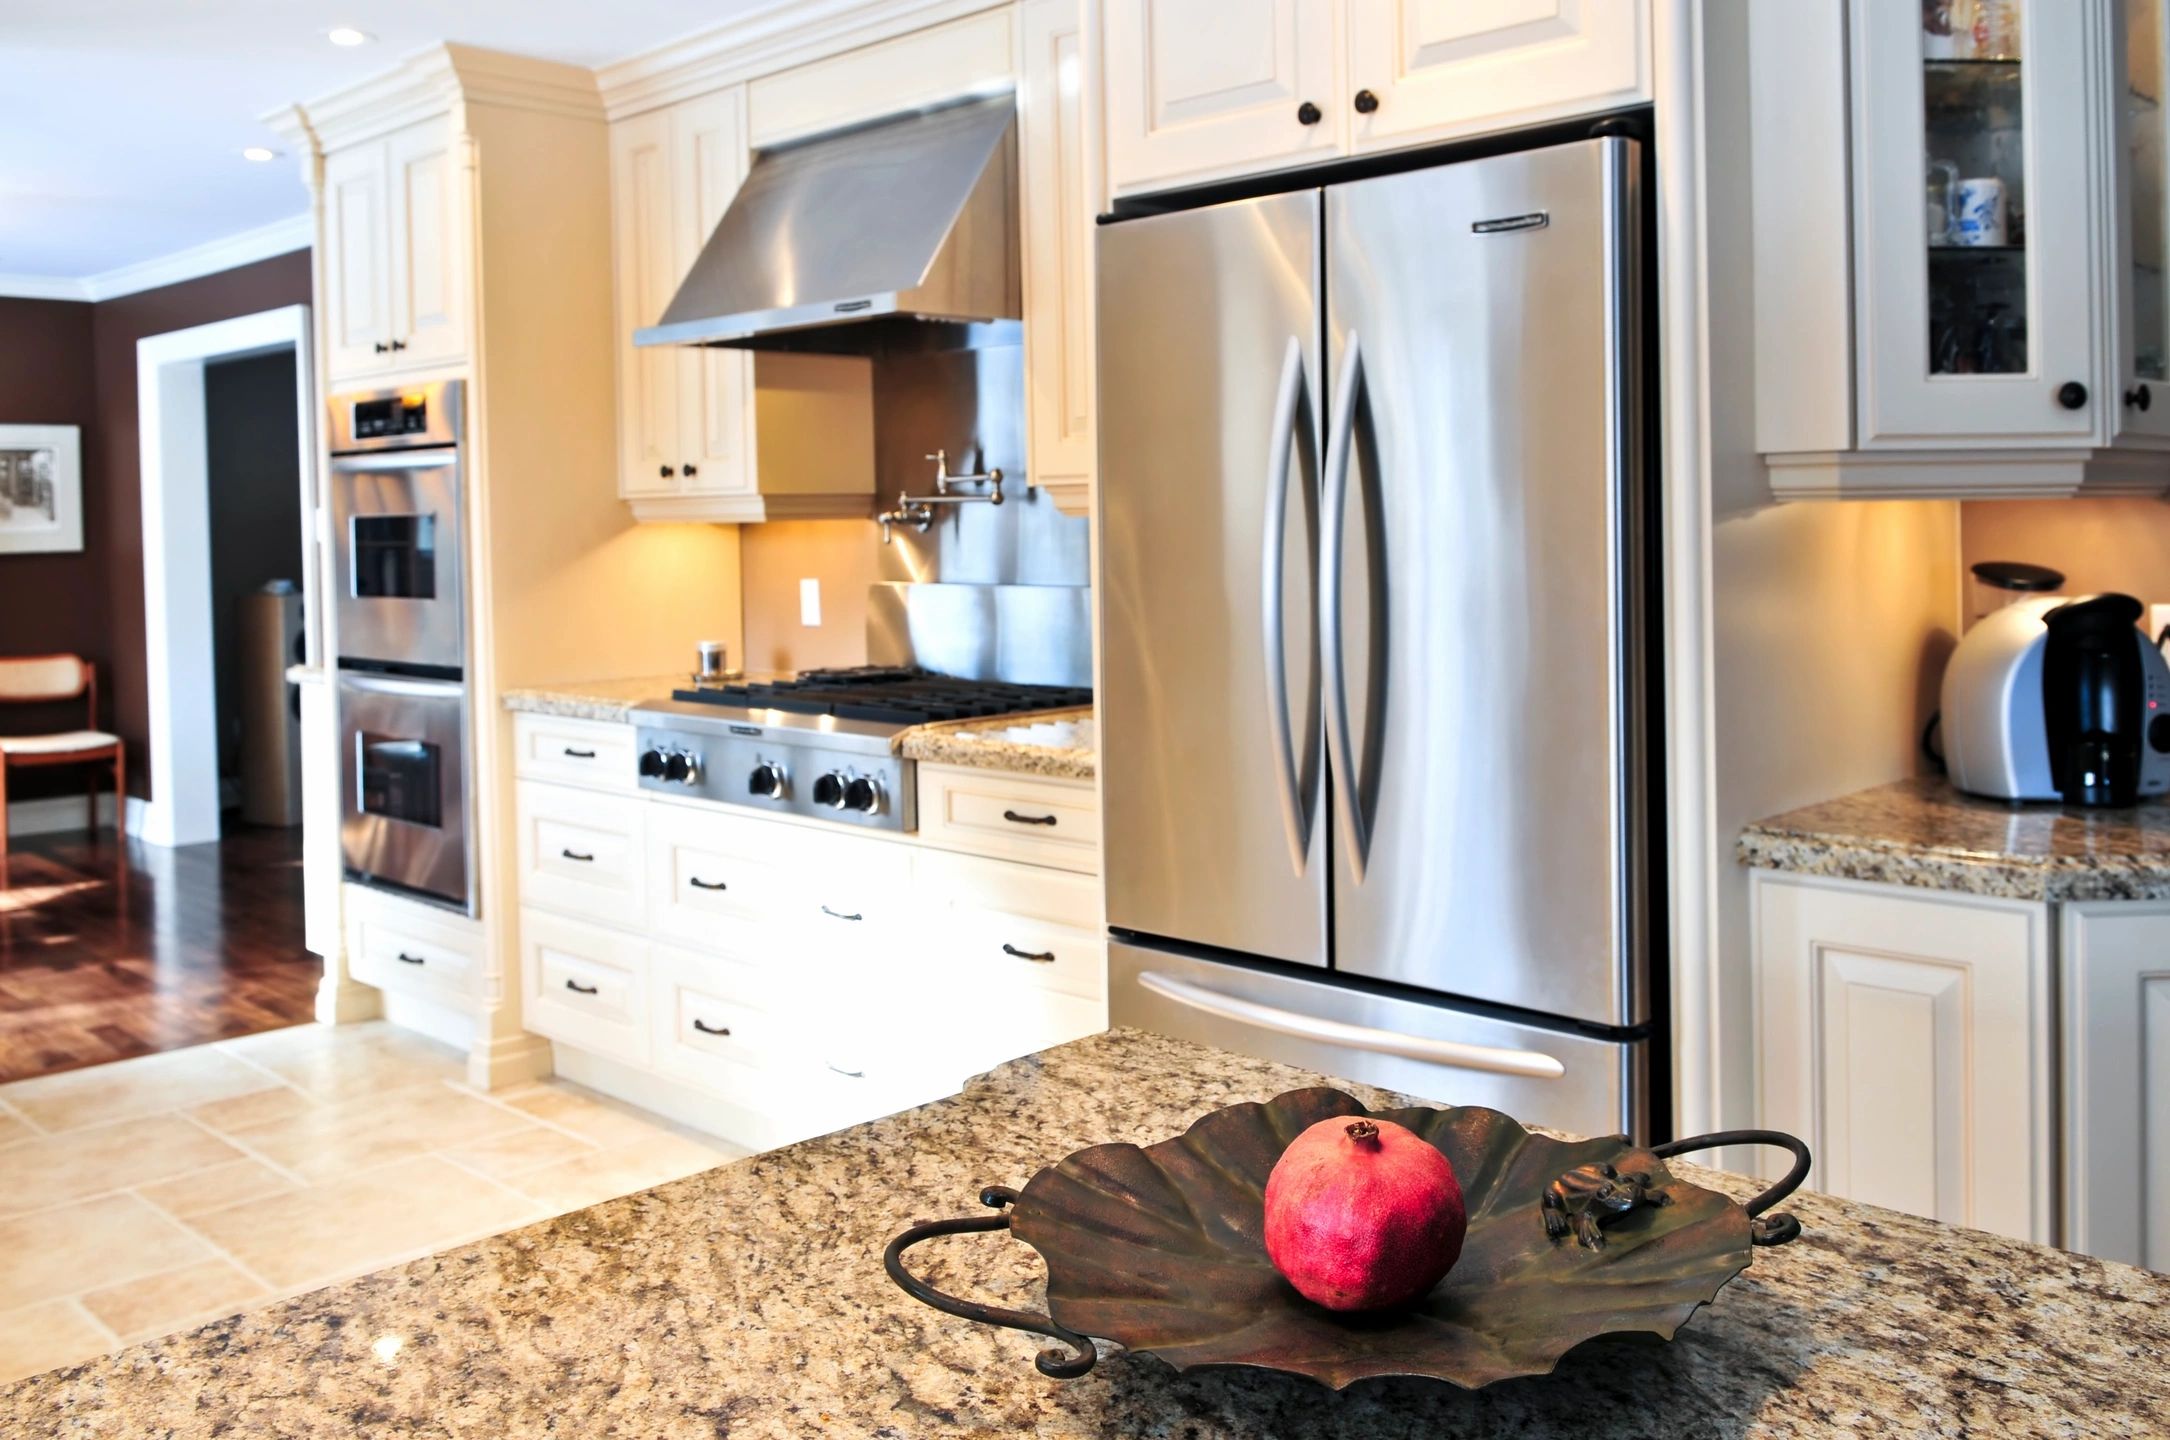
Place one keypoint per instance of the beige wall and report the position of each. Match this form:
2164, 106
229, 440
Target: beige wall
2121, 544
844, 555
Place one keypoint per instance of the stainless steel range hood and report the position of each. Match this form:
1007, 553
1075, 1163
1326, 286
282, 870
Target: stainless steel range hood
897, 235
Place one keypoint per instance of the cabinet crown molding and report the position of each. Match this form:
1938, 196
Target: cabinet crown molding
775, 38
430, 82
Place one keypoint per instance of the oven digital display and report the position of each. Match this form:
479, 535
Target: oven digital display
401, 779
395, 557
399, 415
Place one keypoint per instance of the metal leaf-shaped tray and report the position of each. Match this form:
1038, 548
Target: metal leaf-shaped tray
1162, 1249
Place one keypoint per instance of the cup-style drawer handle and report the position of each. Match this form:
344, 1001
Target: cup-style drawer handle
1016, 819
579, 989
839, 915
406, 959
699, 884
579, 754
1038, 957
849, 1074
707, 1029
585, 857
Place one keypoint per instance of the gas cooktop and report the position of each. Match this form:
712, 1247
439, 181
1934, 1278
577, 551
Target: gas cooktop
885, 694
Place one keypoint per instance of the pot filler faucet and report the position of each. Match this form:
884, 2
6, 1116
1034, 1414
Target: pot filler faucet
918, 510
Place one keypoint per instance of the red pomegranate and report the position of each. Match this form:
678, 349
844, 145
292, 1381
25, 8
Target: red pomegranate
1363, 1214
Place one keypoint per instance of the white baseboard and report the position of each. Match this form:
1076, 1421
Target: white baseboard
55, 813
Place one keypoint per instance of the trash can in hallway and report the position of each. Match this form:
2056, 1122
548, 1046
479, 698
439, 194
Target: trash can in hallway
268, 628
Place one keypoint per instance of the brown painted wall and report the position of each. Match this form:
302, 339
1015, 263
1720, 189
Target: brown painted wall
2112, 544
51, 603
112, 475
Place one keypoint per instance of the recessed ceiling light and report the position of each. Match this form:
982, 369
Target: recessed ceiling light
348, 35
259, 154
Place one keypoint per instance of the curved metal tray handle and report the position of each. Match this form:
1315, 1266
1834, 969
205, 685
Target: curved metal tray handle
1052, 1362
1772, 1230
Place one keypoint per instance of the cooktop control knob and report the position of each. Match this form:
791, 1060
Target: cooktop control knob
829, 790
864, 794
681, 767
651, 763
768, 780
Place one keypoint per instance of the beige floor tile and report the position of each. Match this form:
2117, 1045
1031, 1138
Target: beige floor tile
215, 1188
88, 1244
364, 1222
55, 1168
257, 1108
622, 1170
344, 1136
126, 1089
13, 1127
37, 1338
161, 1304
591, 1116
335, 1062
521, 1150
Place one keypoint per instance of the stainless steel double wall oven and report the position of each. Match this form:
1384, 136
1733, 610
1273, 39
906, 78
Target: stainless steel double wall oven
400, 626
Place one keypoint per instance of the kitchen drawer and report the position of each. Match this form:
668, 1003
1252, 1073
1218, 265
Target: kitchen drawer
1015, 817
582, 853
968, 882
709, 873
585, 985
593, 753
1002, 949
713, 1023
415, 953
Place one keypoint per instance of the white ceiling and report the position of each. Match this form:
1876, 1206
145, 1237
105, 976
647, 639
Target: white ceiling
123, 121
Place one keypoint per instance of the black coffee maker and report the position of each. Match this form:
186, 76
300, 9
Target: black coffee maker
2103, 702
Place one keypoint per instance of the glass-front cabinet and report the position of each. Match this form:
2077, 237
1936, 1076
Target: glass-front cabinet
1998, 168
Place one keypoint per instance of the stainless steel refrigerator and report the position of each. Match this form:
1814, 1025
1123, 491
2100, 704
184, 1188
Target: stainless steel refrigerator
1373, 671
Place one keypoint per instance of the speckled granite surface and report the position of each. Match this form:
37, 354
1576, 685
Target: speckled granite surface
750, 1301
1924, 833
954, 742
610, 700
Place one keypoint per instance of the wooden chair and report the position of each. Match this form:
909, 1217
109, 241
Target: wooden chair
33, 679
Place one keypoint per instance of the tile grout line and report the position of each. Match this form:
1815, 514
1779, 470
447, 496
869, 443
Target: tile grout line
36, 1130
247, 1150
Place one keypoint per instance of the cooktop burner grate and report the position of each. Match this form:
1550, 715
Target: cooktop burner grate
888, 695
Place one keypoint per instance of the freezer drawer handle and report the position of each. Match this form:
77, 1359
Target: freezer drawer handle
1016, 819
1039, 957
1530, 1064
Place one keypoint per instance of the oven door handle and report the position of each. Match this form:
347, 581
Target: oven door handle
1491, 1059
428, 459
410, 686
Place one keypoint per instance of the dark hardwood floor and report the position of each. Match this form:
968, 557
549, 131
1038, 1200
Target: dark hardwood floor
108, 951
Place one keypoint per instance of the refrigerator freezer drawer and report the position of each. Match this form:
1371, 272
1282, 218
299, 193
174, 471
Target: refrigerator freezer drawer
1568, 1081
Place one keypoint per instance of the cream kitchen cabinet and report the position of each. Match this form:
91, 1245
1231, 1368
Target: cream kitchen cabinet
1959, 249
1906, 1035
1060, 196
2116, 973
1203, 89
396, 268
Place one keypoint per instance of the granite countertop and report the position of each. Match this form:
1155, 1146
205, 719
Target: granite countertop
1926, 834
983, 744
607, 700
751, 1301
949, 742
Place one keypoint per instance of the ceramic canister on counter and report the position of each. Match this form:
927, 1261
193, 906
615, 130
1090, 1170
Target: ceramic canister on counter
1978, 211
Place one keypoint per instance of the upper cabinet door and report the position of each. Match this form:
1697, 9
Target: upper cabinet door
645, 273
357, 279
1428, 69
2143, 349
428, 259
708, 163
1201, 88
1059, 200
1978, 293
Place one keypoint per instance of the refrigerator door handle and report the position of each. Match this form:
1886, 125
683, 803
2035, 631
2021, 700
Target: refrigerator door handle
1288, 397
1340, 745
1491, 1059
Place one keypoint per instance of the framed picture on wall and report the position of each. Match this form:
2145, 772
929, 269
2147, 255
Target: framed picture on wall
41, 488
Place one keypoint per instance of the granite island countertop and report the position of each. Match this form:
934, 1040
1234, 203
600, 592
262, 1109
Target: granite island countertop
1926, 834
973, 743
750, 1301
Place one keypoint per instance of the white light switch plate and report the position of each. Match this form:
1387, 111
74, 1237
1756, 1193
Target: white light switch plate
810, 602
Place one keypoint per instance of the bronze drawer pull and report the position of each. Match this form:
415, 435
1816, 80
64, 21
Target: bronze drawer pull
585, 857
708, 1029
579, 989
699, 884
579, 754
1039, 957
839, 915
1016, 819
406, 959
